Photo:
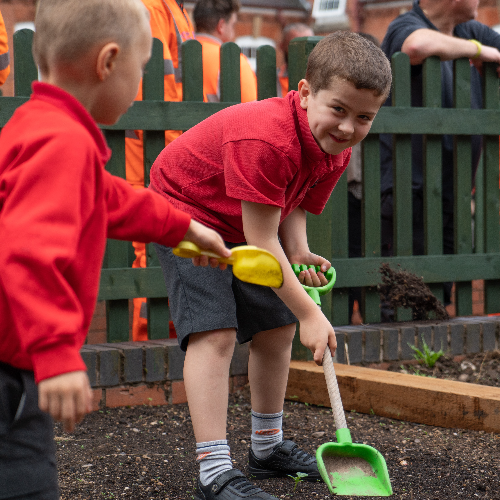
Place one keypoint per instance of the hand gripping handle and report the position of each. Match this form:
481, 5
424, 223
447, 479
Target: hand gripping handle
315, 291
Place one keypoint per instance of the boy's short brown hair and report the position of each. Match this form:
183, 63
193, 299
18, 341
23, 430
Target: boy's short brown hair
65, 30
351, 57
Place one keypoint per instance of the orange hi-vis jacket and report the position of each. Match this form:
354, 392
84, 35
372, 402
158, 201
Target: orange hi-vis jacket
282, 81
172, 26
211, 71
4, 52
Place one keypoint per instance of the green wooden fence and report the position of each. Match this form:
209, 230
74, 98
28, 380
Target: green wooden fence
327, 233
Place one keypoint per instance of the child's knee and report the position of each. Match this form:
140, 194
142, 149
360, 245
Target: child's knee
220, 341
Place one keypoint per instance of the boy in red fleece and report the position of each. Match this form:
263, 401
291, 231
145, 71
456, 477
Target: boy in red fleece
57, 207
251, 172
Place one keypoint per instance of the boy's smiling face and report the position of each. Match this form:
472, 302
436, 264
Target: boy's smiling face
341, 115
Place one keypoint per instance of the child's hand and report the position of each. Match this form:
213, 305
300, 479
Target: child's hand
315, 332
207, 239
67, 398
310, 277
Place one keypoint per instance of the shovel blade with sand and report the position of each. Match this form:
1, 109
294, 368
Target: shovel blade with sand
349, 468
250, 264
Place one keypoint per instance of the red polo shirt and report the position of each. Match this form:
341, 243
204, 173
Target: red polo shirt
262, 152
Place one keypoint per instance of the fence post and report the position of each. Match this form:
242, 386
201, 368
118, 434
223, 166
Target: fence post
432, 157
491, 241
402, 169
154, 143
25, 70
230, 89
370, 220
462, 186
117, 252
266, 73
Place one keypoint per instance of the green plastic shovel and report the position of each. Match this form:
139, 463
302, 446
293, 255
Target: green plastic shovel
347, 468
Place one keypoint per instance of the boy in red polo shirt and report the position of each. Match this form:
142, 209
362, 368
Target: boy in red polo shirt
251, 172
57, 207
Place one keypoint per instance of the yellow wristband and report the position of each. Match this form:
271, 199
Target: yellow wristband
479, 46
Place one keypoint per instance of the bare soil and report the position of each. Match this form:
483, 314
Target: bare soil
482, 368
149, 452
401, 288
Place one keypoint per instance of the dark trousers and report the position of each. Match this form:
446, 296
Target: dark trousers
28, 468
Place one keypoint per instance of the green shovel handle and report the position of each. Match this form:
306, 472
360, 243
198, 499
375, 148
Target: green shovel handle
315, 291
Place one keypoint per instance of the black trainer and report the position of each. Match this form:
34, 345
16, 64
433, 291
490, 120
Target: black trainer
286, 459
230, 485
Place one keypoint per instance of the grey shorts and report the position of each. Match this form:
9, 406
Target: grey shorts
203, 299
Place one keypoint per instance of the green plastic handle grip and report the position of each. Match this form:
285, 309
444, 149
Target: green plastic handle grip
313, 291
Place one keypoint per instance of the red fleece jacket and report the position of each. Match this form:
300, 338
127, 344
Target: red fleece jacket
57, 207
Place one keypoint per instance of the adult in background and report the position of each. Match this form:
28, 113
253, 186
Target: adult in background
290, 32
214, 22
4, 52
447, 29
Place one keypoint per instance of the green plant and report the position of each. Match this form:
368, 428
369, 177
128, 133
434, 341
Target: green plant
298, 479
428, 356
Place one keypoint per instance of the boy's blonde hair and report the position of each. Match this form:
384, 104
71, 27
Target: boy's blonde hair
65, 30
351, 57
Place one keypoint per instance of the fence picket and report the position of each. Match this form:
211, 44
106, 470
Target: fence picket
462, 186
266, 72
25, 70
230, 88
491, 237
370, 220
117, 252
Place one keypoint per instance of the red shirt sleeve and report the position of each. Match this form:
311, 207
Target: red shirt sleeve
142, 215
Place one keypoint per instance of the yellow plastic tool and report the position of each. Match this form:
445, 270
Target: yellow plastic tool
251, 264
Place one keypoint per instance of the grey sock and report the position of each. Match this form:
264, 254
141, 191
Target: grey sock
214, 458
266, 432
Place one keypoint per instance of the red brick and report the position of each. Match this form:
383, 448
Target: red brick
178, 392
96, 337
96, 399
135, 395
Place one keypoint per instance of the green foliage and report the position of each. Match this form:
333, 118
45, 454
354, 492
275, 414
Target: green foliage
428, 356
298, 479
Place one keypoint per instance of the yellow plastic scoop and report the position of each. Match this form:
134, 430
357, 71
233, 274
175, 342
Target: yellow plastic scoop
251, 264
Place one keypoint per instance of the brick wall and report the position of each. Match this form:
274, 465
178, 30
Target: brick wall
151, 373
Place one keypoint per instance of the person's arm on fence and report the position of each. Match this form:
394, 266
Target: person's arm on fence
424, 43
